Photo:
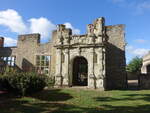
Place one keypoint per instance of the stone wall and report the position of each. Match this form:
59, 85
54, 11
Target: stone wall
115, 57
28, 46
144, 81
26, 51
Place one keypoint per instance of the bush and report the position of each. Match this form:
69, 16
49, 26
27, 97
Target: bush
23, 83
134, 65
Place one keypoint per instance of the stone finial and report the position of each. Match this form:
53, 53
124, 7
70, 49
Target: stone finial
99, 26
1, 41
61, 27
90, 29
63, 34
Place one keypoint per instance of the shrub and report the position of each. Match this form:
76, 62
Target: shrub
134, 65
23, 83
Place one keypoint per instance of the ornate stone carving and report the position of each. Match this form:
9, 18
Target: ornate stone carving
92, 76
63, 34
90, 29
91, 46
79, 51
100, 76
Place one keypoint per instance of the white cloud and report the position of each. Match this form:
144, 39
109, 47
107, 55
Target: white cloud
41, 25
140, 51
9, 41
137, 51
74, 30
141, 41
11, 19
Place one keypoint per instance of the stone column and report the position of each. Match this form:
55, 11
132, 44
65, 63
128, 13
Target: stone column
101, 63
104, 67
58, 67
91, 80
66, 75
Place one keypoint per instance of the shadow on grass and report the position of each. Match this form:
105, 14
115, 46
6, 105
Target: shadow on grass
54, 101
25, 107
127, 97
52, 95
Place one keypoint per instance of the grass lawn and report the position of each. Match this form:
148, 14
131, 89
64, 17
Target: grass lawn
78, 101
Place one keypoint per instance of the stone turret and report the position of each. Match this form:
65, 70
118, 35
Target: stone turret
1, 41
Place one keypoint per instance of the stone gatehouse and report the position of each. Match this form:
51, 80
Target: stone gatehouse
95, 59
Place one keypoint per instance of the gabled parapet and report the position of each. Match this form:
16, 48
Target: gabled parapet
95, 34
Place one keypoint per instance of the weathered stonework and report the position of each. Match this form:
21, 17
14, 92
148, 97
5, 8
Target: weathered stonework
102, 47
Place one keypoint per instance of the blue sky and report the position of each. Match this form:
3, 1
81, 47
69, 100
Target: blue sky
31, 16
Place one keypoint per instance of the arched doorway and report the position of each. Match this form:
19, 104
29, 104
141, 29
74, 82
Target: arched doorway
80, 72
148, 69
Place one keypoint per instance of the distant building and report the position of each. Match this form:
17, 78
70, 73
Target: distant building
95, 59
146, 64
144, 78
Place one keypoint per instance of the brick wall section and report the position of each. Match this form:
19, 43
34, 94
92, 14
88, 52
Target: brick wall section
115, 57
1, 41
8, 51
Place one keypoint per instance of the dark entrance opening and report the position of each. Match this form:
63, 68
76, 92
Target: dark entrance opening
148, 69
80, 71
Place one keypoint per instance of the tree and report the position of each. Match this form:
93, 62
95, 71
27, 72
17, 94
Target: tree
134, 65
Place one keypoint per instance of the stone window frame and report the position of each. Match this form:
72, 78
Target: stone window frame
43, 64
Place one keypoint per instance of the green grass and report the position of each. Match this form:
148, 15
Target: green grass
78, 101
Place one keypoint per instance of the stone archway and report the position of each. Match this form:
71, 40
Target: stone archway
80, 72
